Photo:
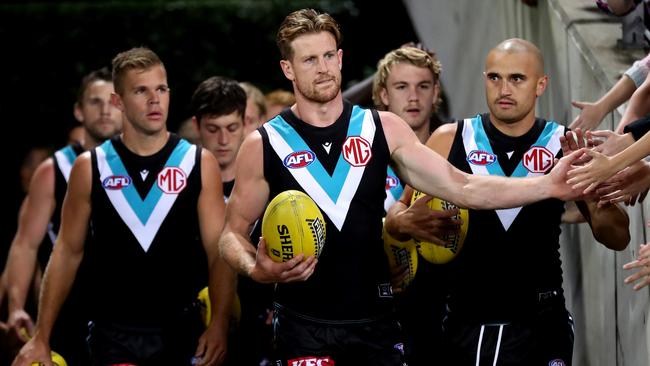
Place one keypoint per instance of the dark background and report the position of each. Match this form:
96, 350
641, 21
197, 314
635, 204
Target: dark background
46, 47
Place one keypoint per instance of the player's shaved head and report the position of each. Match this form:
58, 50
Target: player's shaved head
518, 45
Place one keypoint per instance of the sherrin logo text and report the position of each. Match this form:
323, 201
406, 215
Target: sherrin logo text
299, 159
480, 157
115, 182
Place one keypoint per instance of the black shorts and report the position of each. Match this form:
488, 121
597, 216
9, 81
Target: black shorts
69, 337
300, 342
545, 338
173, 344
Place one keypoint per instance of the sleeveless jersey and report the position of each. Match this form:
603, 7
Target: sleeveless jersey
342, 167
146, 260
509, 256
63, 160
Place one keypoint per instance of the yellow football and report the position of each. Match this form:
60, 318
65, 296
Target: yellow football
206, 308
57, 360
454, 242
293, 224
401, 254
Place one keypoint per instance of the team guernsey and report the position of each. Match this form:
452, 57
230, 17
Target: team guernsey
394, 188
145, 254
342, 167
491, 275
63, 160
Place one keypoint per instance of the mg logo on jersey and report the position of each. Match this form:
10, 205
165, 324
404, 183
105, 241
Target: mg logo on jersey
172, 180
538, 159
391, 182
480, 157
299, 159
556, 362
115, 182
357, 151
312, 361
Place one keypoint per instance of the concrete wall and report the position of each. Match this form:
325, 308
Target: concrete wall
579, 47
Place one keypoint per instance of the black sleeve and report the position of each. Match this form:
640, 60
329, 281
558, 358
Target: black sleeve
638, 128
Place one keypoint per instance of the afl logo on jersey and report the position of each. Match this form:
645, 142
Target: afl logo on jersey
557, 362
172, 180
115, 182
538, 159
480, 157
391, 182
357, 151
299, 159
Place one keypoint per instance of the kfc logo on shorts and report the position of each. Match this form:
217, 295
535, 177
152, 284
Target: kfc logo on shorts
557, 362
480, 157
357, 151
172, 180
299, 159
115, 182
312, 361
391, 182
538, 159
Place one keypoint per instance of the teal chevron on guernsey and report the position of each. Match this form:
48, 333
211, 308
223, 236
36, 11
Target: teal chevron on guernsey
475, 139
334, 193
65, 158
143, 217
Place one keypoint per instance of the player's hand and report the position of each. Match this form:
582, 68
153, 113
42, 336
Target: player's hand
21, 324
211, 350
34, 351
398, 278
268, 271
557, 178
422, 223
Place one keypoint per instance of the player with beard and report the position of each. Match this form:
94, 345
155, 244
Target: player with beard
40, 219
340, 311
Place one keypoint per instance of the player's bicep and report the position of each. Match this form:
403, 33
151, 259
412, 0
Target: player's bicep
251, 191
38, 207
211, 206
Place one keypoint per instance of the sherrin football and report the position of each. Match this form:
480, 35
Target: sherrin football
401, 254
293, 224
454, 242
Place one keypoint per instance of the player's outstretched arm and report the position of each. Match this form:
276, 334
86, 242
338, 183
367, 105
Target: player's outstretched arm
430, 173
35, 214
64, 261
211, 349
246, 204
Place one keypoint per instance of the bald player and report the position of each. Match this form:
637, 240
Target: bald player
505, 303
